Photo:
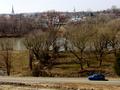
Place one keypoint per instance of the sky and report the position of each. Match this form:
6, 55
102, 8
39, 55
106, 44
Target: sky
22, 6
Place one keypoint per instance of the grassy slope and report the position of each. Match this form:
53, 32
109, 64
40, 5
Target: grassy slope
72, 69
65, 65
19, 62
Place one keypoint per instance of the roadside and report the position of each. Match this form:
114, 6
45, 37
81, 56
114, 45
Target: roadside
66, 86
32, 83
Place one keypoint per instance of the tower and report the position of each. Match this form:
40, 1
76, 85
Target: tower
74, 10
12, 10
75, 14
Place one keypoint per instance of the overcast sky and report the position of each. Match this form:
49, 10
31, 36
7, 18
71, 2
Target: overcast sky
21, 6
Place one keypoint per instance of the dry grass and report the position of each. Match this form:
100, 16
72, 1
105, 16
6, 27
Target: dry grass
65, 86
19, 62
64, 66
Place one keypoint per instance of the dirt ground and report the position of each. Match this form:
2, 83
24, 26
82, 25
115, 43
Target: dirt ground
66, 86
12, 87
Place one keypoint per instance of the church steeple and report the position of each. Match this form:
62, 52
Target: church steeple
74, 10
13, 10
75, 14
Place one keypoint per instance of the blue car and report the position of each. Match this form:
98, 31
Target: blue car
97, 77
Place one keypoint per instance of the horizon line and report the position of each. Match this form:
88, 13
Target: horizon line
56, 11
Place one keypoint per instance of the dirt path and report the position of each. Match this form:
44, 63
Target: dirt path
58, 83
12, 87
35, 80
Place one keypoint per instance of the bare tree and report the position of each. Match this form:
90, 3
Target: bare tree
113, 30
79, 36
6, 47
100, 43
40, 42
37, 44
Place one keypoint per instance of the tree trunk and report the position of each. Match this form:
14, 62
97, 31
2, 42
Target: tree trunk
101, 59
30, 64
80, 60
8, 63
81, 66
30, 61
100, 64
88, 64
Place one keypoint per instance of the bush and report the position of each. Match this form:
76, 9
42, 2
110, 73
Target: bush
117, 65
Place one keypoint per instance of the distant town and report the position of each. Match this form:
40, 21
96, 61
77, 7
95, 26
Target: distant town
43, 18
